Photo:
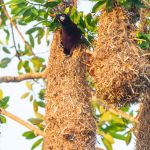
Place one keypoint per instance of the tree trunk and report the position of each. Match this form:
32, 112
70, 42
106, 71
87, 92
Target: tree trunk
70, 124
143, 128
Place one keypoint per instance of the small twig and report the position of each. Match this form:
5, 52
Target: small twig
146, 54
118, 112
74, 3
22, 122
22, 77
17, 54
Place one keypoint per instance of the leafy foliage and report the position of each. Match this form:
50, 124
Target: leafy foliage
108, 4
111, 126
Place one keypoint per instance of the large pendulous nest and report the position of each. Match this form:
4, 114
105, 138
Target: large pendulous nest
70, 123
121, 72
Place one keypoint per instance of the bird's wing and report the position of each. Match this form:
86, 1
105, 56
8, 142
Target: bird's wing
67, 41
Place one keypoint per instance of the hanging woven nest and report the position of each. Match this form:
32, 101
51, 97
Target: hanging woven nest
69, 119
121, 72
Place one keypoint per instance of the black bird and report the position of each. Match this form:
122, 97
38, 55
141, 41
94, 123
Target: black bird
71, 34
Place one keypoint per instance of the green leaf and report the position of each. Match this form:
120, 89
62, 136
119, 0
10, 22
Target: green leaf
67, 10
29, 135
40, 35
106, 136
128, 138
39, 115
41, 94
117, 127
35, 121
106, 116
4, 62
98, 6
25, 95
20, 65
26, 66
30, 31
36, 64
37, 143
38, 1
4, 102
7, 35
109, 5
117, 119
41, 104
29, 85
31, 40
35, 106
31, 98
117, 136
107, 144
6, 50
34, 11
1, 94
2, 119
52, 4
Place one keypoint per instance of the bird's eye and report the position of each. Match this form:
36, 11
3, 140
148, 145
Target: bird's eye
62, 18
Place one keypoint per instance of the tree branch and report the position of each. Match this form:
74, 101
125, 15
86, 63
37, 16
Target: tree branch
116, 111
17, 54
22, 122
146, 3
74, 3
15, 26
22, 77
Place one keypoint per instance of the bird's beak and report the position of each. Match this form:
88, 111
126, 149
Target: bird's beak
53, 15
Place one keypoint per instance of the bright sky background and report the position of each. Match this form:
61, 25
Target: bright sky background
10, 137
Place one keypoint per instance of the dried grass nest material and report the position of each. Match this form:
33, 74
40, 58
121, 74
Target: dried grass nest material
70, 123
121, 73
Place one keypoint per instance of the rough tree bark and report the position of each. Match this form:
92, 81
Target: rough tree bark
70, 123
143, 128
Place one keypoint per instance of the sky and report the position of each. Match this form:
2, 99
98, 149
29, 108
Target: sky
10, 137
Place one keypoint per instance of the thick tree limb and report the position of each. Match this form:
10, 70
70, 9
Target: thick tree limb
22, 122
22, 77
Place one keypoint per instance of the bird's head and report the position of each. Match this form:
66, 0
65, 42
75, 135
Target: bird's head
62, 18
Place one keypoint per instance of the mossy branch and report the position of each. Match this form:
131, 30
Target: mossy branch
22, 77
22, 122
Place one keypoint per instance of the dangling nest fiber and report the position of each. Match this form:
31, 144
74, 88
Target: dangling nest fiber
121, 73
